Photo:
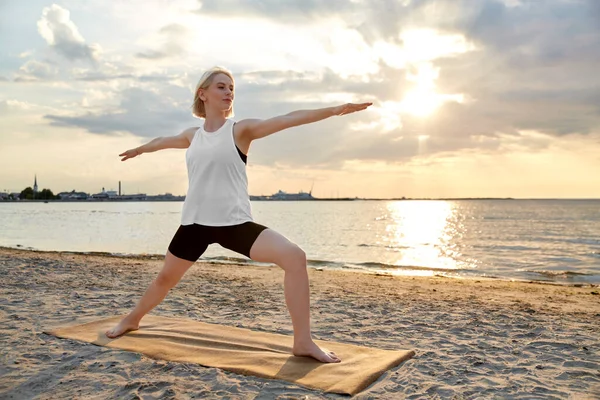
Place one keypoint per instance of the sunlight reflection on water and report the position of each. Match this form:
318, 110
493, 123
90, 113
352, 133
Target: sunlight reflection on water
425, 233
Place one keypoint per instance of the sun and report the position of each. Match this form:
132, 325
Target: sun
423, 99
421, 47
421, 102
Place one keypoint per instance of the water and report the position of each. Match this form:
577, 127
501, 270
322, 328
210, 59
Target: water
542, 240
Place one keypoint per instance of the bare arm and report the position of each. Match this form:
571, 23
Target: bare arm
181, 141
258, 128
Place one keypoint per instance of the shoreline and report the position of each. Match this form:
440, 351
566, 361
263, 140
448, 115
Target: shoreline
472, 338
258, 198
314, 267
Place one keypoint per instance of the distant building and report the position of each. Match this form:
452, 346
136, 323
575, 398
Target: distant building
281, 195
113, 195
103, 195
73, 195
35, 187
13, 196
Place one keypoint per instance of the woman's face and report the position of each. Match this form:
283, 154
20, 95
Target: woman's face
219, 94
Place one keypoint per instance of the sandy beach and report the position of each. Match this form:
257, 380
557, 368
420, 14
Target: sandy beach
473, 338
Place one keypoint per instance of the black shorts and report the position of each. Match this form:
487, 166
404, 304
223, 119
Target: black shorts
191, 241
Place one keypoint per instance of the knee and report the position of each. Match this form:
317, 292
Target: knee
164, 280
295, 258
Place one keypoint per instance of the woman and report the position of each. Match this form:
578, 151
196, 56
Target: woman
217, 205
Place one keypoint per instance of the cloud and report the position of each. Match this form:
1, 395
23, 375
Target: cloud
11, 106
56, 27
173, 36
106, 76
94, 76
285, 10
141, 112
36, 70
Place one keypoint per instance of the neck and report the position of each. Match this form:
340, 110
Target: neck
214, 120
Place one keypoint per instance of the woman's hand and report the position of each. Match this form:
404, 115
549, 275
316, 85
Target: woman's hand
349, 108
129, 154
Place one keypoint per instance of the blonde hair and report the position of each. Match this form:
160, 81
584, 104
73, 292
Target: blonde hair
198, 109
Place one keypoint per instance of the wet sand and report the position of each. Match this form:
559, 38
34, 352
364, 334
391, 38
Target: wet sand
473, 338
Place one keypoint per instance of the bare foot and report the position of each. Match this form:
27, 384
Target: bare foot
312, 350
122, 328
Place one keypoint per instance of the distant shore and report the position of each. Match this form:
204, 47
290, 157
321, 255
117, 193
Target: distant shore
315, 199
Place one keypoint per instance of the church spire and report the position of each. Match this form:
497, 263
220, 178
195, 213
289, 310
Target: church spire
35, 187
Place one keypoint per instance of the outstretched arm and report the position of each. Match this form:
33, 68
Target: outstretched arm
181, 141
259, 128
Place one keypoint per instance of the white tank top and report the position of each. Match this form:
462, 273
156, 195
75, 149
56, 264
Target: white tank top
218, 186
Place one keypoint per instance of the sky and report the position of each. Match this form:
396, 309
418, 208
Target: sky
471, 98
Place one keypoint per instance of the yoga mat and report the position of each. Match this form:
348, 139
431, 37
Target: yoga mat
243, 351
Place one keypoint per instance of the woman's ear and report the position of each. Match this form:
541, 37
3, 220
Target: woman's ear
201, 95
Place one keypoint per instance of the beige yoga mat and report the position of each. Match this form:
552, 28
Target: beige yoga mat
243, 351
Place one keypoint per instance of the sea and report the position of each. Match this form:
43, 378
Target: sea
553, 241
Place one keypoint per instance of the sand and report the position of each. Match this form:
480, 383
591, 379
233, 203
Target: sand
473, 338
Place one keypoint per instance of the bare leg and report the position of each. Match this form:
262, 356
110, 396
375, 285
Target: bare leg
271, 246
171, 273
